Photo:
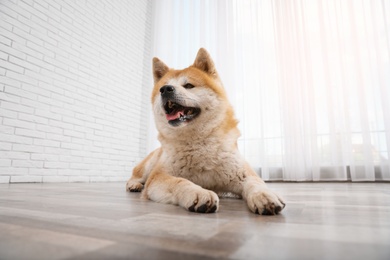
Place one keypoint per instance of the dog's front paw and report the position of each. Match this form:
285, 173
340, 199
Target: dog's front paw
265, 202
200, 200
134, 186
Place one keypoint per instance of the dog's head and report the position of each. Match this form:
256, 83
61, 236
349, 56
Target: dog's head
190, 101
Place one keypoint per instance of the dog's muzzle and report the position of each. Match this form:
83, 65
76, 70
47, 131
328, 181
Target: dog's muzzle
175, 112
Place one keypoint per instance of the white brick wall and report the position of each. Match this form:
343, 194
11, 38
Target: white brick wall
74, 87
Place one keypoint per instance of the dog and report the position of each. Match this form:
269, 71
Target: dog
198, 157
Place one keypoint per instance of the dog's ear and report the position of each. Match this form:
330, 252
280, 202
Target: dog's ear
204, 62
159, 69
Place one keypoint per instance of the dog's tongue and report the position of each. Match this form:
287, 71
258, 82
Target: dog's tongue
175, 115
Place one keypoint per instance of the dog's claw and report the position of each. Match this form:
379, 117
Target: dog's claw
202, 209
213, 209
192, 208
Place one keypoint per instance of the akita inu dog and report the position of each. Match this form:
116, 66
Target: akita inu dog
198, 155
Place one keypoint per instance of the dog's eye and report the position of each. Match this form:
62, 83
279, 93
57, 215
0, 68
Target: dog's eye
188, 86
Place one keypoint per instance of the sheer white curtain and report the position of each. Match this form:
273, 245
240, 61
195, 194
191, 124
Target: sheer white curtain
309, 80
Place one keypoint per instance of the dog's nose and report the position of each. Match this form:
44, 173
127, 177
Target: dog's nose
167, 89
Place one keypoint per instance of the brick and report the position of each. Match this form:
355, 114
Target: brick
21, 34
73, 120
29, 133
27, 148
38, 77
5, 146
9, 97
85, 117
27, 164
56, 165
81, 153
46, 143
57, 63
62, 98
23, 78
22, 12
23, 64
65, 112
12, 171
5, 25
71, 146
53, 87
73, 133
25, 52
56, 150
4, 179
49, 129
41, 33
70, 159
56, 179
23, 23
81, 166
20, 92
7, 129
16, 107
93, 125
13, 51
10, 82
2, 73
5, 41
54, 6
50, 74
27, 4
47, 114
43, 172
60, 124
40, 49
14, 155
44, 157
5, 162
34, 103
36, 90
18, 123
9, 66
48, 101
8, 11
82, 141
37, 16
58, 137
68, 172
33, 118
25, 179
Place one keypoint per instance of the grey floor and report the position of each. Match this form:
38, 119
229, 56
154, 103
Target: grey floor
102, 221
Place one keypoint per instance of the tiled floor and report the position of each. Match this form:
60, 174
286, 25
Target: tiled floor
102, 221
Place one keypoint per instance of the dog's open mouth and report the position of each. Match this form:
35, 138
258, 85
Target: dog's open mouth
176, 113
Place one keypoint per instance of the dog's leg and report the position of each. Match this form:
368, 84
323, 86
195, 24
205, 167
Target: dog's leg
260, 199
164, 188
142, 171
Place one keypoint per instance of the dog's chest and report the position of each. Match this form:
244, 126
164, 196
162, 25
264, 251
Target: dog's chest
206, 164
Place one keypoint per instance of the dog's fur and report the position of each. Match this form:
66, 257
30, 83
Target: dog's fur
198, 155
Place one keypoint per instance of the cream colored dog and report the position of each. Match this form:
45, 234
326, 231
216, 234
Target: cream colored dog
198, 155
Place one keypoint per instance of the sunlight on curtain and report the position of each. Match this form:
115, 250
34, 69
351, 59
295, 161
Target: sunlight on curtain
309, 80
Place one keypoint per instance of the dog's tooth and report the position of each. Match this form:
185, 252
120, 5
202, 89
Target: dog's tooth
189, 112
169, 104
